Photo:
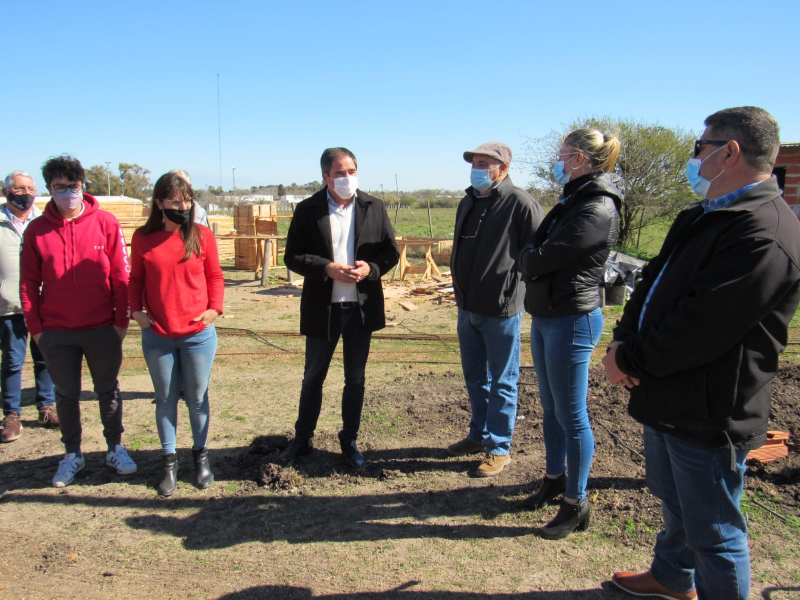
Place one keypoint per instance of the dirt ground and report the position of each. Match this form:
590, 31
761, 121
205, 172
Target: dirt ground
413, 523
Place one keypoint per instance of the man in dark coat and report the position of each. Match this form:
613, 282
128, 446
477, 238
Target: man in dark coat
698, 345
341, 242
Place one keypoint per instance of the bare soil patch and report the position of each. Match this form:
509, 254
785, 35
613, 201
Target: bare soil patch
413, 523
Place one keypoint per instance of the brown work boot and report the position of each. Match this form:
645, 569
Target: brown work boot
12, 428
464, 447
645, 585
493, 464
48, 417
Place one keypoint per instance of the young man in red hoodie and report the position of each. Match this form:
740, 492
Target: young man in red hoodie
74, 290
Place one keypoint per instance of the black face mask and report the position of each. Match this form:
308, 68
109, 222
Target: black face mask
21, 201
179, 217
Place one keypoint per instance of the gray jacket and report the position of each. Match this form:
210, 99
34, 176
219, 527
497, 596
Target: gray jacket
10, 244
510, 223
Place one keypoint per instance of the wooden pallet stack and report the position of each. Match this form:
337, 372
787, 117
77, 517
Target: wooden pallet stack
254, 219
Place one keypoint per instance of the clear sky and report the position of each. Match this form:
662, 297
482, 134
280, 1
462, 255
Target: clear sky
406, 85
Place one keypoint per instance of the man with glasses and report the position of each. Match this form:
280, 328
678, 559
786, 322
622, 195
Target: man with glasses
15, 216
342, 242
493, 222
698, 345
74, 291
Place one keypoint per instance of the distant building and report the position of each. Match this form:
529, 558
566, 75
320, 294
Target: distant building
787, 170
293, 199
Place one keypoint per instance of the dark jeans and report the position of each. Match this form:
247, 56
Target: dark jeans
13, 343
347, 324
63, 352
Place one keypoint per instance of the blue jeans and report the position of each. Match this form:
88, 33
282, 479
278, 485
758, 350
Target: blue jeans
490, 361
561, 348
176, 363
704, 541
13, 343
347, 324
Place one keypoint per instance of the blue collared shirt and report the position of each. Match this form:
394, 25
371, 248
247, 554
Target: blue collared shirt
708, 206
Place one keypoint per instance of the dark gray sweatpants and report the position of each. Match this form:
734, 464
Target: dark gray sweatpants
63, 354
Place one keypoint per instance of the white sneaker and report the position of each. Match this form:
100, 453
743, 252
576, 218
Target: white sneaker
119, 460
69, 465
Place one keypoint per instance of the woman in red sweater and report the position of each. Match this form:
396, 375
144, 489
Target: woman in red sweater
176, 290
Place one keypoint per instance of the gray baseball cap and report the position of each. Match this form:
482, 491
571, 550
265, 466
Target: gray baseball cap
494, 149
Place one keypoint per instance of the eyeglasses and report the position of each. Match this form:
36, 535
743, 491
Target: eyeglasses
188, 202
60, 187
23, 189
698, 145
478, 228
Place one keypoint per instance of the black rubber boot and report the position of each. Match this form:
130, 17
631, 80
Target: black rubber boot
202, 469
169, 474
549, 490
569, 518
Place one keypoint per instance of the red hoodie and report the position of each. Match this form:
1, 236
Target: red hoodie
74, 274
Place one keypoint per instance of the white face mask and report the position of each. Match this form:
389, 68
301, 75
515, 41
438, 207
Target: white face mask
345, 187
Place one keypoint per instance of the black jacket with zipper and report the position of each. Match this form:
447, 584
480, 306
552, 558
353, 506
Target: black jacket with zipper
570, 249
510, 223
709, 341
309, 249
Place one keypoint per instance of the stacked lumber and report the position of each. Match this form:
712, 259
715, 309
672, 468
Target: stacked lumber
224, 225
254, 219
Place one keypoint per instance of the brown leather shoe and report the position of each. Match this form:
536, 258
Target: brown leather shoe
48, 417
492, 465
464, 447
12, 428
645, 585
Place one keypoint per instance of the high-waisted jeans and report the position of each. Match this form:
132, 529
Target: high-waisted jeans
176, 363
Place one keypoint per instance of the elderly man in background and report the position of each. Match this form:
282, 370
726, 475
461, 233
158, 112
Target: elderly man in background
15, 215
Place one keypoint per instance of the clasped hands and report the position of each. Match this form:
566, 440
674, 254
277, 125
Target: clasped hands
346, 273
615, 376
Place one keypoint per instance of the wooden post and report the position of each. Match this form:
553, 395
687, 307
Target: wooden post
289, 276
266, 261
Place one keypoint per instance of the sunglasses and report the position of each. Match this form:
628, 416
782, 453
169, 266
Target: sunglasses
698, 145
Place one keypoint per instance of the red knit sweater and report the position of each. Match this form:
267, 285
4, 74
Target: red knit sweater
173, 292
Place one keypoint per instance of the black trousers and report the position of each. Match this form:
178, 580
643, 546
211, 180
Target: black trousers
347, 324
64, 352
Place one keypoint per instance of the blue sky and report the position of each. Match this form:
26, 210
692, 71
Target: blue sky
407, 86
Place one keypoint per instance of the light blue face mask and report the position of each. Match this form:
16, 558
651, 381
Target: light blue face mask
558, 171
699, 183
480, 180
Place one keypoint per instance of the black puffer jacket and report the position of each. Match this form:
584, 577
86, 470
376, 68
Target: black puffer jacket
564, 265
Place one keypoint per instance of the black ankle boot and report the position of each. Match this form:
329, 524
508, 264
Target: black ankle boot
169, 474
549, 490
569, 518
202, 470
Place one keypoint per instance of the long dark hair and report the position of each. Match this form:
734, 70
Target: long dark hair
168, 186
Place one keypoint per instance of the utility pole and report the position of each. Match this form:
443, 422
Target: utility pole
236, 198
108, 175
396, 210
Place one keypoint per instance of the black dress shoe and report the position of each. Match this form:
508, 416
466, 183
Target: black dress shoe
549, 490
569, 518
352, 457
169, 474
298, 447
202, 469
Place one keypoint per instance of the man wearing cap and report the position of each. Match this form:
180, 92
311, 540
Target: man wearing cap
493, 222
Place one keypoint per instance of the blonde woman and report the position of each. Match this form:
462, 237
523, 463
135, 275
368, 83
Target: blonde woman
564, 269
